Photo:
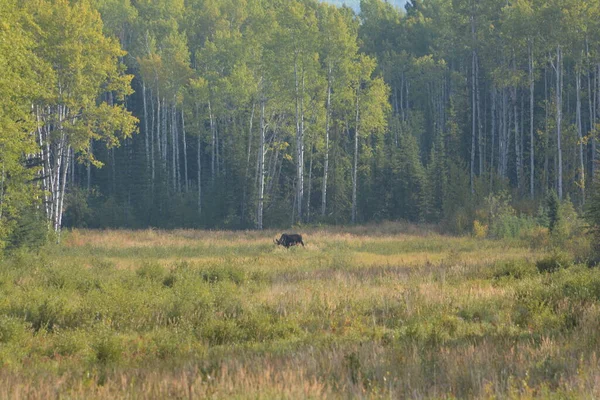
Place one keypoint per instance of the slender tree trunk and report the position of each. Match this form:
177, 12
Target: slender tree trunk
247, 171
158, 125
45, 170
65, 169
199, 162
531, 122
505, 134
326, 161
479, 124
89, 167
591, 96
261, 167
185, 160
355, 163
299, 141
517, 137
310, 167
146, 132
580, 136
174, 148
213, 142
559, 84
493, 137
152, 150
473, 108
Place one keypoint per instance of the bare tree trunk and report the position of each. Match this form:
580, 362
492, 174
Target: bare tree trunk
199, 161
44, 155
531, 122
310, 166
247, 172
517, 137
493, 137
504, 142
261, 167
580, 136
559, 85
152, 151
177, 151
213, 143
65, 170
185, 160
590, 97
146, 133
165, 150
479, 125
596, 105
217, 147
473, 109
299, 140
546, 129
174, 148
355, 163
89, 166
326, 161
158, 125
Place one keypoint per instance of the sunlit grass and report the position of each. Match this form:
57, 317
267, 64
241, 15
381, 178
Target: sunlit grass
390, 311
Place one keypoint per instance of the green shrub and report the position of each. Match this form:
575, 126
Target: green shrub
554, 262
554, 208
11, 329
220, 273
221, 331
152, 271
514, 269
68, 343
479, 312
107, 348
31, 231
170, 344
510, 226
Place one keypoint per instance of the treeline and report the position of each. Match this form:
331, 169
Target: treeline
258, 113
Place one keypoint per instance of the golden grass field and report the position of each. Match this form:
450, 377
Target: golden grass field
387, 311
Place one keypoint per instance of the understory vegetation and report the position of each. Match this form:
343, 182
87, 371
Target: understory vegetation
392, 310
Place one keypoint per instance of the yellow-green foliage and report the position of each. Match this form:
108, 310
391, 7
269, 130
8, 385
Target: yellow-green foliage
365, 312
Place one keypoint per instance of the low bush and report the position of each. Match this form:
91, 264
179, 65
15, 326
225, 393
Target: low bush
11, 329
514, 269
510, 226
152, 271
554, 262
107, 347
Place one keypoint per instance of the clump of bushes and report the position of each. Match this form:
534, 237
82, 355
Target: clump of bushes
514, 269
498, 219
554, 262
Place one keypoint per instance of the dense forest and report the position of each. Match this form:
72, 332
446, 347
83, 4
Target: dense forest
255, 113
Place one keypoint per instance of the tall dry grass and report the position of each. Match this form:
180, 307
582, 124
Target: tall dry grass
393, 311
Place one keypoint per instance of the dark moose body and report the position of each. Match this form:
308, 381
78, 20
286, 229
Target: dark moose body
289, 240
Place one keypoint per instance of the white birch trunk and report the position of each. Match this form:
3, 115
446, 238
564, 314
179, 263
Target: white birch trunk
199, 161
185, 160
473, 108
261, 167
355, 163
213, 142
531, 122
146, 133
326, 161
580, 137
299, 144
558, 70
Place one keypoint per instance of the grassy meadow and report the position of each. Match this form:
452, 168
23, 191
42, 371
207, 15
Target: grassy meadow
387, 311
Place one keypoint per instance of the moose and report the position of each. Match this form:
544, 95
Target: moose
289, 240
